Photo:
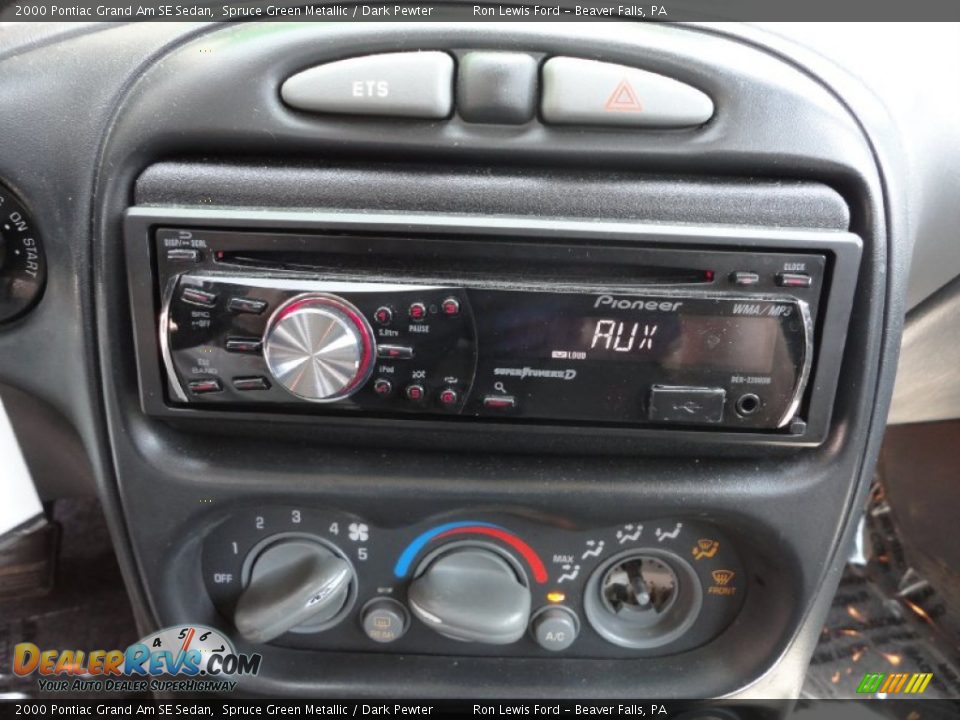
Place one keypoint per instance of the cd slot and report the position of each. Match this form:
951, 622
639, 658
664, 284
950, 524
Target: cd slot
440, 259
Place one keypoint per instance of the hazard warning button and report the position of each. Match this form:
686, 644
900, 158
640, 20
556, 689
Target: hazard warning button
588, 92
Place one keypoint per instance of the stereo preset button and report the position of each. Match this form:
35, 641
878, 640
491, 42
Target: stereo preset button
187, 255
414, 392
499, 402
417, 311
383, 315
243, 345
742, 277
450, 307
449, 397
196, 296
394, 352
382, 387
794, 280
682, 404
205, 386
251, 383
246, 305
404, 84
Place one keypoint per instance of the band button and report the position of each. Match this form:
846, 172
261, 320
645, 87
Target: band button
205, 386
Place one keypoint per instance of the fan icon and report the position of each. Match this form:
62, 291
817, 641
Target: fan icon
359, 532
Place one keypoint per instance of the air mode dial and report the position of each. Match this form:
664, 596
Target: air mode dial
319, 347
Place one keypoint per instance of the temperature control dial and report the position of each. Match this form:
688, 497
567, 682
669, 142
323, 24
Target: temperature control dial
472, 594
319, 347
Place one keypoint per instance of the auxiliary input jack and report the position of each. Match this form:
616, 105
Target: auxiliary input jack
643, 599
747, 405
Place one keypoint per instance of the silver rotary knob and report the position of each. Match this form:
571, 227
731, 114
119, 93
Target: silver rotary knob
319, 347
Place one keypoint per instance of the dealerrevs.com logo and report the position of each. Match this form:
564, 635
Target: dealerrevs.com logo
182, 658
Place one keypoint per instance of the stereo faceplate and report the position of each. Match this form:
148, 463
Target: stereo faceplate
668, 358
716, 331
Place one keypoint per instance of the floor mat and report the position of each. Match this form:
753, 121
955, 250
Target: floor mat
885, 619
88, 607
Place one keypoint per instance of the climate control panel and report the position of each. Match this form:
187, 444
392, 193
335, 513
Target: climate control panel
477, 584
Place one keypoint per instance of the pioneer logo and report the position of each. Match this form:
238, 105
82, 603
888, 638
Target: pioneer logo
526, 372
609, 301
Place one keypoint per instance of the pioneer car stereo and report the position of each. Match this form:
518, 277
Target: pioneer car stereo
454, 324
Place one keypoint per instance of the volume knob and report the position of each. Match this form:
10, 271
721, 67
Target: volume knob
319, 347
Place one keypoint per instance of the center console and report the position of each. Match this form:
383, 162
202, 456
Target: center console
566, 390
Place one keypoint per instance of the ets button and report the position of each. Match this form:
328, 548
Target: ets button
404, 84
682, 404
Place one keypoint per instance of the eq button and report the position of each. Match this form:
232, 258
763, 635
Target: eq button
394, 352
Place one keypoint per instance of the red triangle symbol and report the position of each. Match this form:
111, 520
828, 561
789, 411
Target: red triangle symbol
623, 99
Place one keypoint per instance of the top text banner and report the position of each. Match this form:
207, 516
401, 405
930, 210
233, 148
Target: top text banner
593, 11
